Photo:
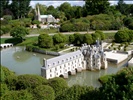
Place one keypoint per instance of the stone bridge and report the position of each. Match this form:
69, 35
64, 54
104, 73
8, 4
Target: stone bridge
6, 45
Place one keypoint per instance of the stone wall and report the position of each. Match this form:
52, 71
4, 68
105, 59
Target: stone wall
35, 49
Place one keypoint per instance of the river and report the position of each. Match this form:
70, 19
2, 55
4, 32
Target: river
23, 62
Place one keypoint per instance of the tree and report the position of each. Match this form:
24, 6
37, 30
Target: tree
20, 8
43, 8
71, 38
59, 38
122, 36
45, 41
102, 35
43, 92
30, 81
119, 86
2, 74
95, 36
19, 32
58, 84
88, 38
17, 95
4, 89
3, 5
96, 6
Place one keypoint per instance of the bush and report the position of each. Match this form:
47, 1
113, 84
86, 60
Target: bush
7, 72
30, 81
35, 22
88, 39
3, 89
58, 84
43, 92
7, 17
59, 38
6, 29
45, 41
11, 82
17, 95
121, 36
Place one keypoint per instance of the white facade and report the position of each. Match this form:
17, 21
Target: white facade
88, 57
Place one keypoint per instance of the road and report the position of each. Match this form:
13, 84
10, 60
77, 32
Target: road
31, 35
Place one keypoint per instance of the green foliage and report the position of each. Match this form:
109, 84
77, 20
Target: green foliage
95, 36
78, 38
3, 89
7, 17
58, 84
88, 39
5, 28
77, 92
35, 22
45, 41
30, 81
7, 72
119, 86
17, 95
105, 78
2, 76
97, 6
59, 38
43, 92
11, 82
71, 38
15, 23
121, 36
102, 35
19, 32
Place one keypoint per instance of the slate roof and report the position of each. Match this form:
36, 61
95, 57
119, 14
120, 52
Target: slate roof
63, 59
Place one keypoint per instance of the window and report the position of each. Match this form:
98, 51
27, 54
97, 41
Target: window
60, 66
50, 70
56, 69
58, 62
60, 71
50, 75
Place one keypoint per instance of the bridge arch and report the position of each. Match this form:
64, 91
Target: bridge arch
69, 73
62, 76
76, 70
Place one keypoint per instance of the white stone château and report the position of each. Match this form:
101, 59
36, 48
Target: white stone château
88, 57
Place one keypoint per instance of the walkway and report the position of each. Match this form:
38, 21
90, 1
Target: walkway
31, 35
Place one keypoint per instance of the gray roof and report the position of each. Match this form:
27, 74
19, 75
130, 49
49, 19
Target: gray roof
63, 59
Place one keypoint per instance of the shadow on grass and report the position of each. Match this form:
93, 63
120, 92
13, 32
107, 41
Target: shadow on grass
14, 41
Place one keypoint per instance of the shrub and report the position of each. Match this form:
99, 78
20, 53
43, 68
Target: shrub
7, 17
11, 82
121, 36
17, 95
58, 84
45, 41
43, 92
30, 81
3, 89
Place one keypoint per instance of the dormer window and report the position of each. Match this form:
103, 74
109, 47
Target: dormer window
58, 62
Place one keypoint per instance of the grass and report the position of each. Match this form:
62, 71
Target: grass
41, 31
17, 41
109, 35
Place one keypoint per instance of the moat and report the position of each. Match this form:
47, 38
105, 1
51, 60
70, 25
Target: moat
23, 62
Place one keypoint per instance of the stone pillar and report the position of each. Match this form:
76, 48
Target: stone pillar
73, 72
65, 75
79, 69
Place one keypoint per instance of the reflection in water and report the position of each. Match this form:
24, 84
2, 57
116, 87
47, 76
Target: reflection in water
90, 78
28, 63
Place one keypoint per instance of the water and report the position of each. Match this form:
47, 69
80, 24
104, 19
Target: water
23, 62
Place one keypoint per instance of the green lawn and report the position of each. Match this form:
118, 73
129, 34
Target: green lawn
109, 35
41, 31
